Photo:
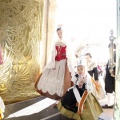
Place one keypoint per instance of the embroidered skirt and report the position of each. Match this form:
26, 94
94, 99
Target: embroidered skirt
53, 83
68, 107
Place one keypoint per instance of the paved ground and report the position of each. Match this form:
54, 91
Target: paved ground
41, 108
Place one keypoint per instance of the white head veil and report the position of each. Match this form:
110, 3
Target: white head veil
89, 85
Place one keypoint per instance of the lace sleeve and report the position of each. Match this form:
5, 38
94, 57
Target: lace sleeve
71, 60
51, 62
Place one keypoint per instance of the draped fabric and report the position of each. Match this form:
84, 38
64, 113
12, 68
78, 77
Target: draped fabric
21, 23
68, 107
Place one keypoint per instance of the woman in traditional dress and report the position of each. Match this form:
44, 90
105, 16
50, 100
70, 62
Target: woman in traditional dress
91, 66
79, 103
56, 76
93, 71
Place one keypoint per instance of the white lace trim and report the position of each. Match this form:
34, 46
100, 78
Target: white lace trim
89, 85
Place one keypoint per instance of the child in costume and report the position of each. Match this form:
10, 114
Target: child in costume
2, 108
79, 103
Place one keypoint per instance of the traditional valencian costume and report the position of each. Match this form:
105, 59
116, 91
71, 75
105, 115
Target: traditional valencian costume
79, 103
92, 70
56, 76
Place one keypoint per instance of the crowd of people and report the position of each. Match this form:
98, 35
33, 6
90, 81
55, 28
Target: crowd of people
76, 87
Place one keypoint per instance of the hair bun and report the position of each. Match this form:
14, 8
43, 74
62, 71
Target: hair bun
59, 27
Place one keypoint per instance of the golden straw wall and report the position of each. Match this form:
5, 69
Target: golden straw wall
20, 35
